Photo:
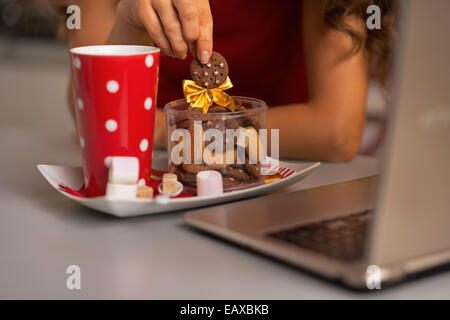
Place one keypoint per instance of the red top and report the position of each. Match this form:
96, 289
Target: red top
261, 40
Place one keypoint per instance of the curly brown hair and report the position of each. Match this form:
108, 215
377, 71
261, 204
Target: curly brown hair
377, 42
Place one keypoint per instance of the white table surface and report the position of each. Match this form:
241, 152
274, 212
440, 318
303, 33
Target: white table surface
41, 233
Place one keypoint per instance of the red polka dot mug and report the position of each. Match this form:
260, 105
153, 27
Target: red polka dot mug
115, 89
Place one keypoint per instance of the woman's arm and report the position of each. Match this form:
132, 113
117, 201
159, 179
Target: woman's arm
329, 126
97, 19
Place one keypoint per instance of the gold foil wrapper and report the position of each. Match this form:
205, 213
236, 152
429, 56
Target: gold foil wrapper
199, 97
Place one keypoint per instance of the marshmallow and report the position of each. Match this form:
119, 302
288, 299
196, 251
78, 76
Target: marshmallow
121, 191
124, 170
209, 183
144, 192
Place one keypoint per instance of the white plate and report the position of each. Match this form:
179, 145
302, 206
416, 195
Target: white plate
72, 177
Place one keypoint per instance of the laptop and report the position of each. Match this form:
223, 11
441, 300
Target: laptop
378, 229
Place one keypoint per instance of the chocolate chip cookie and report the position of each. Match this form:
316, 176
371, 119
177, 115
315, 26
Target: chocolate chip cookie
212, 74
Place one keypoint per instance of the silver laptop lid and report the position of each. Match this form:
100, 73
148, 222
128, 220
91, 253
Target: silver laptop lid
413, 208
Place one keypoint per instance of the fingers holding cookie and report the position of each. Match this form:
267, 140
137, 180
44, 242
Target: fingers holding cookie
212, 74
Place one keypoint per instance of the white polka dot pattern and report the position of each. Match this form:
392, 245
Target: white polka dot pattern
77, 62
149, 61
143, 145
148, 103
111, 125
112, 86
80, 104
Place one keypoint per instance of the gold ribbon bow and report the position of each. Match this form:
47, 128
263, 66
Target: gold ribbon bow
199, 97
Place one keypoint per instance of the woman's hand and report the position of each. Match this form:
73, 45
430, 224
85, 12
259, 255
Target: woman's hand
174, 25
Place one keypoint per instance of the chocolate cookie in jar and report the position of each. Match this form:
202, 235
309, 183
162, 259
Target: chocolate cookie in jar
212, 130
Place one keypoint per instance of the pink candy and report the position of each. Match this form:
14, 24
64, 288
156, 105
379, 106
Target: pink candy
209, 183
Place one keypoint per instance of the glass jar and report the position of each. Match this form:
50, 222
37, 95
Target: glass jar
221, 140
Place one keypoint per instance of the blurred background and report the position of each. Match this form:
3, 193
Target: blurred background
33, 67
34, 71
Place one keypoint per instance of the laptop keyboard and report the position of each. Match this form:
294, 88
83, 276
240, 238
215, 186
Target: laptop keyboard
342, 238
